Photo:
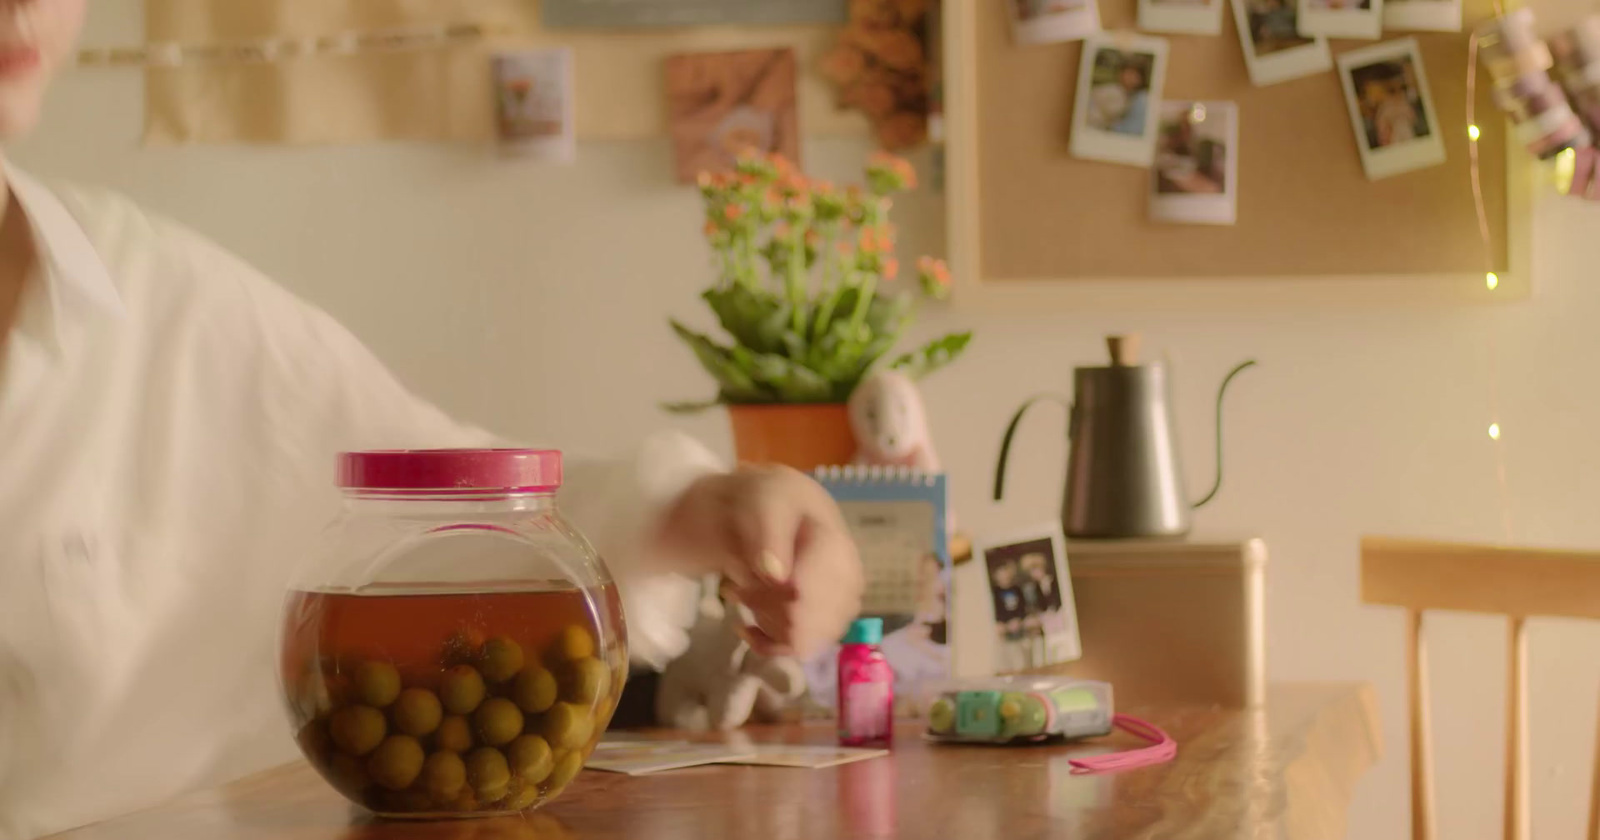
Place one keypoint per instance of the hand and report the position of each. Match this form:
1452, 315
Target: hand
779, 540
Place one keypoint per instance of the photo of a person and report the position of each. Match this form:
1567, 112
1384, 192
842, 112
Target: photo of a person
1390, 102
1034, 617
1191, 152
1119, 95
1273, 26
1391, 112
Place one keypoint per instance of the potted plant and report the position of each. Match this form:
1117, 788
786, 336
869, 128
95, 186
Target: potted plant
808, 292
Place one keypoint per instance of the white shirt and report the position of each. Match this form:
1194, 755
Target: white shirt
168, 425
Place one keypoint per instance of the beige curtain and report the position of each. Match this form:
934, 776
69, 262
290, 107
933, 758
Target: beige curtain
429, 94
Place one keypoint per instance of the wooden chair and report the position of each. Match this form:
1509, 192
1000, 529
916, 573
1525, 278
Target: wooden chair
1518, 583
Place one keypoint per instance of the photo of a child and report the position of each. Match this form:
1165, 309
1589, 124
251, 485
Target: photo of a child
1119, 94
1390, 102
1391, 112
1034, 617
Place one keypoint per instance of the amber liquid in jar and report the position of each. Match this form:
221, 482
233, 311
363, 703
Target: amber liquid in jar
423, 702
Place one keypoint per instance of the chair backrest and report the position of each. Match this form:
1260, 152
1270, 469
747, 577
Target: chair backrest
1518, 583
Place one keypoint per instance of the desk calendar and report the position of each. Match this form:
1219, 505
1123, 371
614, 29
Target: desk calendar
898, 518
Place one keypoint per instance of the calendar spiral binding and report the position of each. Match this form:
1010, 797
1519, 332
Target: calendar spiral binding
877, 474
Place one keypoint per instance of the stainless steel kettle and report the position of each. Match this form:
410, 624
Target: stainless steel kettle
1124, 478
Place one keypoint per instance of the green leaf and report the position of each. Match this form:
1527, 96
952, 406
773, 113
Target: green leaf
755, 318
934, 355
793, 382
737, 383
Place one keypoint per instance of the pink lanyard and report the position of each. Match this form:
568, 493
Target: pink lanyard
1162, 749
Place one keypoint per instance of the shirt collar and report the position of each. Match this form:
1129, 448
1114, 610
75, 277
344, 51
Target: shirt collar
75, 280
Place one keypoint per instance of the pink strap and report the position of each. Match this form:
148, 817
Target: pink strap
1162, 749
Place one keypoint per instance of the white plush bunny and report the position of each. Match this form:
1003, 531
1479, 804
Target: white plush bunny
890, 423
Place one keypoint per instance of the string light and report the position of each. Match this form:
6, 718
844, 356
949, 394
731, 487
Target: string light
1566, 170
1490, 279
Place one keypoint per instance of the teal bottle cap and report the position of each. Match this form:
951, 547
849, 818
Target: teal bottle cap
864, 631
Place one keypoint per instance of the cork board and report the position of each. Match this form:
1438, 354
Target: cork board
1305, 206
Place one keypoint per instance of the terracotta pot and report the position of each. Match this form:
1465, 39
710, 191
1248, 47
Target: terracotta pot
801, 436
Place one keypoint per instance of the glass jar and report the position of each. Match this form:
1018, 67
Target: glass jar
456, 647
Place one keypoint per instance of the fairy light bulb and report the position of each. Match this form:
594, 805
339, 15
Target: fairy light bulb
1491, 280
1494, 431
1566, 167
1473, 133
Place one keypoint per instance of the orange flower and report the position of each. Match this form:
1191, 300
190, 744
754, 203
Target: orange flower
867, 241
813, 239
782, 164
704, 180
822, 186
782, 231
732, 212
891, 268
711, 228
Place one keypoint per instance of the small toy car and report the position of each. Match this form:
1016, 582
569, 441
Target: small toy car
1003, 710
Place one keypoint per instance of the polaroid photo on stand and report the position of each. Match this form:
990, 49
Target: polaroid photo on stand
1342, 18
1391, 110
1035, 618
1049, 21
1195, 177
1422, 15
1274, 50
1190, 17
1119, 86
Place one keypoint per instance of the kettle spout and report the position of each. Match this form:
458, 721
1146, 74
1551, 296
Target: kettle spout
1222, 391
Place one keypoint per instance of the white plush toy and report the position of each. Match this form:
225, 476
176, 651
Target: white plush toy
719, 683
890, 424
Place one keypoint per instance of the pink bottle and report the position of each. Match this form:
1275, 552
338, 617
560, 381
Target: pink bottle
866, 687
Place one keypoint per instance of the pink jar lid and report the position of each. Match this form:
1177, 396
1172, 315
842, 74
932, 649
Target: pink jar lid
513, 470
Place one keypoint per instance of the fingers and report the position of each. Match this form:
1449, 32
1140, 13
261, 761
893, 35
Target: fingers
765, 525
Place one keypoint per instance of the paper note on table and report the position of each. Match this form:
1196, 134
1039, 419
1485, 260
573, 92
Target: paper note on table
796, 755
639, 757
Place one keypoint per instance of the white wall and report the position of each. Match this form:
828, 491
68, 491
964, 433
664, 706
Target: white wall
507, 292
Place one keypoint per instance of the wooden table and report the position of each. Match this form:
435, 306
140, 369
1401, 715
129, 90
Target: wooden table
1283, 771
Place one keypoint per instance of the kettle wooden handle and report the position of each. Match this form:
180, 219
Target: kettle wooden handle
1124, 349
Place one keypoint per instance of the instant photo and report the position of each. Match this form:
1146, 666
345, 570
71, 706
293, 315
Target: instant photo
1422, 15
1341, 18
1190, 17
1274, 49
1195, 176
1049, 21
1035, 618
1391, 110
1119, 87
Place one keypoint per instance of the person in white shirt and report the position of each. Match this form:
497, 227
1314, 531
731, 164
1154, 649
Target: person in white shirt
169, 421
